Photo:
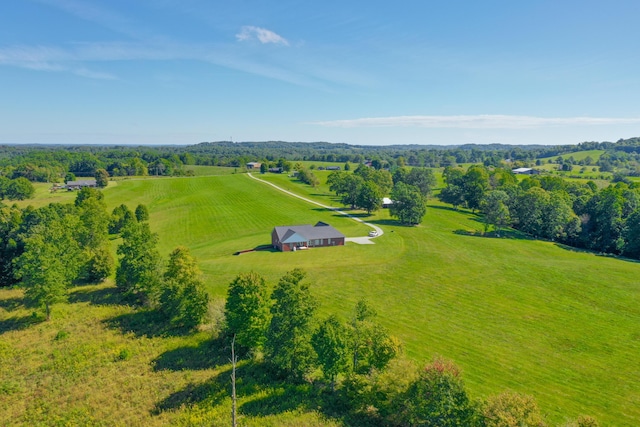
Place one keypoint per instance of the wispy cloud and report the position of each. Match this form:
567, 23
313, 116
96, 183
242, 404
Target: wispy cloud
103, 17
41, 58
263, 35
482, 121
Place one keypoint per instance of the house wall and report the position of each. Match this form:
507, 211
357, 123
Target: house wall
287, 247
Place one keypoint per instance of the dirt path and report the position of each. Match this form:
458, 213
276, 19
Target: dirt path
364, 240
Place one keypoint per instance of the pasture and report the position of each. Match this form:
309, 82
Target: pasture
514, 313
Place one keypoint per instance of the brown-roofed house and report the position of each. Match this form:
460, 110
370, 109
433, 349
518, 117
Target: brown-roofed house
293, 237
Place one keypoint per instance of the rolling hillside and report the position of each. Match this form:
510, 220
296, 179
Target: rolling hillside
514, 313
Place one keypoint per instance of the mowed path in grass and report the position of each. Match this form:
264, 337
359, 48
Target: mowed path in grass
516, 314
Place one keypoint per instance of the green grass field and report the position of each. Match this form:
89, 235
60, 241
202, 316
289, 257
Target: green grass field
514, 313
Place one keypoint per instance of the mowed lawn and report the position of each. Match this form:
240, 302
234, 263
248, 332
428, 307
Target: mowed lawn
514, 313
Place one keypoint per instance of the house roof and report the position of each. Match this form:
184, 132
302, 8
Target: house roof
304, 233
521, 170
81, 182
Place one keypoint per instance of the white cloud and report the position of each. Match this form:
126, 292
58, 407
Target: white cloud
481, 121
263, 35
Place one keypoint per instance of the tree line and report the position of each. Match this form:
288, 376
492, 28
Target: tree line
577, 214
49, 163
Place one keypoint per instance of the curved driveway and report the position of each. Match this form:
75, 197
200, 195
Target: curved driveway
365, 240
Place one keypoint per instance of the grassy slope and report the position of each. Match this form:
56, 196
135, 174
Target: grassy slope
514, 313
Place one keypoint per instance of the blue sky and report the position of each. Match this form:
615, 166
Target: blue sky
374, 72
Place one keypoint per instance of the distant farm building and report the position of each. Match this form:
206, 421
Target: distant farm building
275, 170
333, 168
291, 238
386, 202
525, 171
81, 183
254, 165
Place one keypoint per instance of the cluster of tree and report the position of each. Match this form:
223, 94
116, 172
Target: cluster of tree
19, 188
366, 187
49, 249
283, 327
363, 188
359, 362
308, 177
578, 214
176, 290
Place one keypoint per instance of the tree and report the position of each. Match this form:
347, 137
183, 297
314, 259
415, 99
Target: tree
263, 168
529, 212
184, 298
138, 275
19, 189
370, 345
558, 217
93, 235
247, 310
50, 262
330, 343
511, 409
121, 216
89, 193
369, 197
69, 177
142, 213
453, 193
495, 210
632, 235
475, 184
288, 347
102, 178
10, 247
421, 178
605, 225
346, 185
437, 398
408, 204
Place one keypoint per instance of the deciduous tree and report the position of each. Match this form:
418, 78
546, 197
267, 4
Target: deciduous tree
330, 343
438, 398
408, 204
184, 298
511, 409
50, 262
288, 346
247, 310
138, 275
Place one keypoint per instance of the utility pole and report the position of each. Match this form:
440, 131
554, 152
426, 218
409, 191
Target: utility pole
234, 359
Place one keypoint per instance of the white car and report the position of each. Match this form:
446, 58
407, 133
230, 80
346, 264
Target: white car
373, 233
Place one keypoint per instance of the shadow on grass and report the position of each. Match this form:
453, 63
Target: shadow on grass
11, 304
451, 209
208, 354
590, 251
214, 391
18, 323
273, 396
144, 323
259, 248
504, 234
97, 296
